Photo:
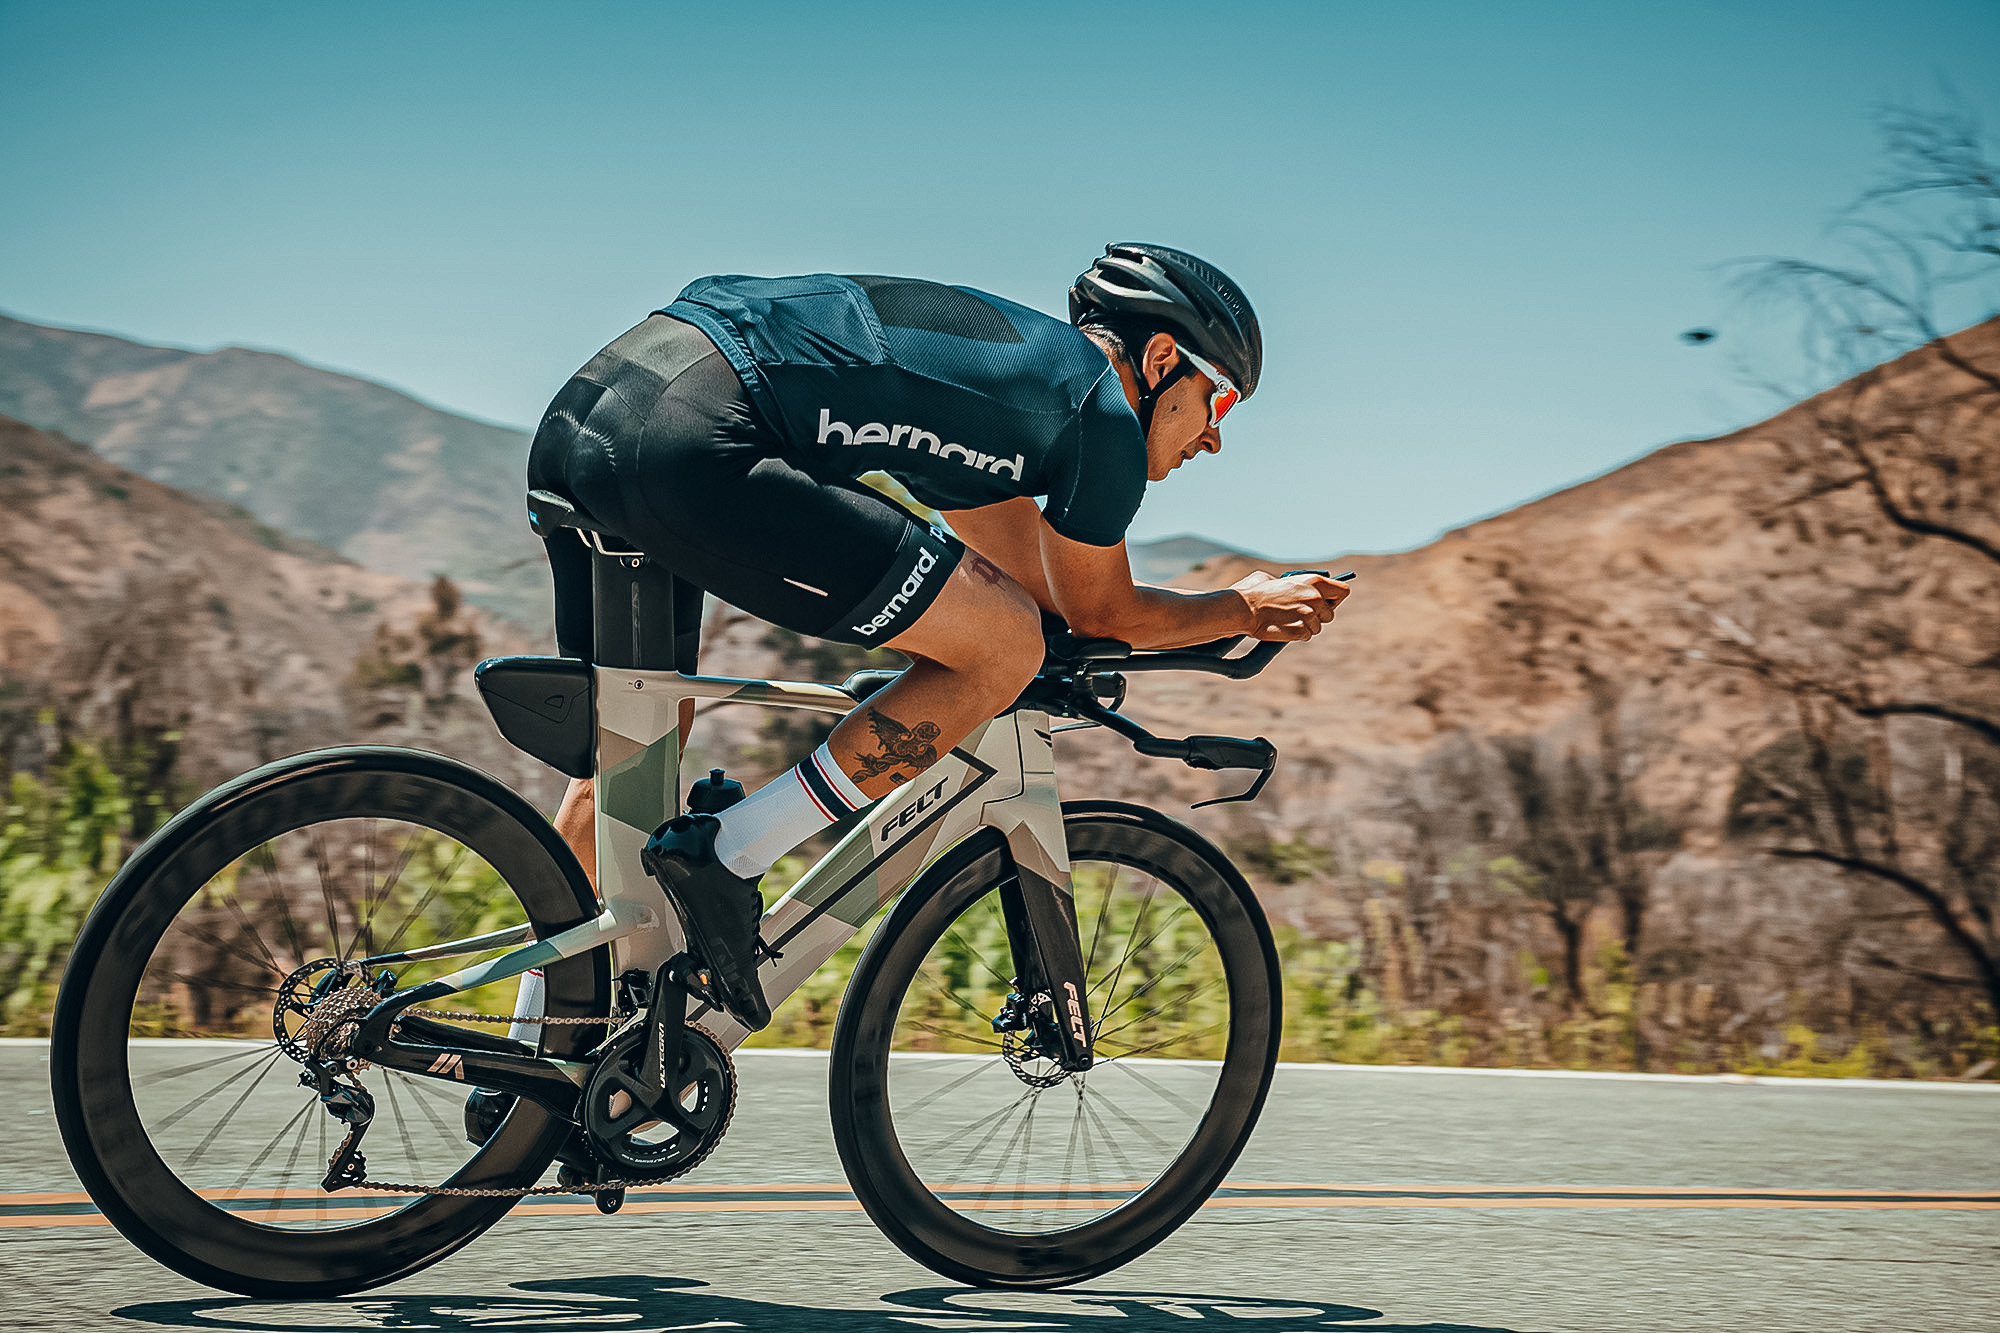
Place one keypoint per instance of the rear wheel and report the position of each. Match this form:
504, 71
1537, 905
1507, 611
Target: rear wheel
991, 1165
202, 976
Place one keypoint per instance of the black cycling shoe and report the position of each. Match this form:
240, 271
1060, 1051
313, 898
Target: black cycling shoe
719, 911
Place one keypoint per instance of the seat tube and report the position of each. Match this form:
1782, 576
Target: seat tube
640, 735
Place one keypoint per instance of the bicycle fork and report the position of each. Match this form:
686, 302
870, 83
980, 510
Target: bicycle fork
1048, 957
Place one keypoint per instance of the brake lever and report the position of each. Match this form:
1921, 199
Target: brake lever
1220, 752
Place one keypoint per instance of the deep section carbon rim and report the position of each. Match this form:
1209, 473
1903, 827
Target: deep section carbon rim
990, 1163
229, 945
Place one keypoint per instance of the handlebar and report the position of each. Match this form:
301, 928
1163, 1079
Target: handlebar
1085, 679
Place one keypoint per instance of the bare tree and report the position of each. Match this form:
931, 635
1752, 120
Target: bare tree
1891, 669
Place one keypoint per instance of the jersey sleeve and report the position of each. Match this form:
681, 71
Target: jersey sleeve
1096, 474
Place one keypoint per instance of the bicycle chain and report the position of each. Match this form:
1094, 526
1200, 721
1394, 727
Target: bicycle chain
595, 1187
468, 1016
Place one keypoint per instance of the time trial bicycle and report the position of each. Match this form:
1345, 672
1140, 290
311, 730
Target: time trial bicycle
1052, 1048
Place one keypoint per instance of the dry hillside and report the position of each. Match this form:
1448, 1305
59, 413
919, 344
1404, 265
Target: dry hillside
133, 613
1648, 639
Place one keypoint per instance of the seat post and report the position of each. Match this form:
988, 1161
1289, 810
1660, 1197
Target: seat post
632, 614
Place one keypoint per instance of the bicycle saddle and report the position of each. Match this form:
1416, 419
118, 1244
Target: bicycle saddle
548, 511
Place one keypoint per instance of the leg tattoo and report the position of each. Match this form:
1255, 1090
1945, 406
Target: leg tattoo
913, 748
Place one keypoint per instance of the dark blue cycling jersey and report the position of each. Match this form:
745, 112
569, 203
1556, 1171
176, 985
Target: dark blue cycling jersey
965, 398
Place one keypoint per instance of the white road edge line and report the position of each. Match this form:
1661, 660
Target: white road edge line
1605, 1075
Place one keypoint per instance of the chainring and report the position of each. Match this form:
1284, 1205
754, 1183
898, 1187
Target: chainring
622, 1131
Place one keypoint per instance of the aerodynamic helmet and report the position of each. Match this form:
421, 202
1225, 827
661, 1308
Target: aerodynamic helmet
1191, 299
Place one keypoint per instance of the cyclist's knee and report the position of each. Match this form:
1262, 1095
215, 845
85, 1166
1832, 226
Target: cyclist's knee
984, 624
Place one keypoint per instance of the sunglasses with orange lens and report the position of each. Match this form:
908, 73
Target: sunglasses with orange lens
1223, 396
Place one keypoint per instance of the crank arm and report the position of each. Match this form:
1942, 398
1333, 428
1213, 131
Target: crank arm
666, 1018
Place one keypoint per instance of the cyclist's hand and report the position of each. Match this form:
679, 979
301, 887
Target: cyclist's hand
1296, 606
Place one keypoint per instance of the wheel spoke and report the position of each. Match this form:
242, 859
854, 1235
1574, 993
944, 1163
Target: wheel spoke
1103, 914
216, 943
1162, 1045
977, 957
1111, 986
425, 1105
957, 1036
215, 1130
999, 1119
437, 886
250, 928
983, 1064
1136, 1126
1155, 980
243, 1181
182, 1071
217, 983
317, 843
402, 1125
274, 890
292, 1161
1158, 1090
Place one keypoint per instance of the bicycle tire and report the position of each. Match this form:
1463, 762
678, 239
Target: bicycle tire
920, 1218
91, 1046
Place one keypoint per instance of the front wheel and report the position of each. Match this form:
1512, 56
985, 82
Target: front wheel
202, 976
990, 1165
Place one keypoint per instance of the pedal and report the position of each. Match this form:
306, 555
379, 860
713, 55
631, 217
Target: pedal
609, 1201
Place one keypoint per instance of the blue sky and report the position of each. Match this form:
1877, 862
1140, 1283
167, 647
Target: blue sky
1473, 231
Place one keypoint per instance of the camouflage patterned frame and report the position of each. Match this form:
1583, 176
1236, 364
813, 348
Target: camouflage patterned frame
1002, 776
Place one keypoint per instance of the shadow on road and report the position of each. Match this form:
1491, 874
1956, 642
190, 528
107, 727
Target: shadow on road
653, 1304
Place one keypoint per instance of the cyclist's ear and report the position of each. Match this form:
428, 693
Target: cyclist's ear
1157, 359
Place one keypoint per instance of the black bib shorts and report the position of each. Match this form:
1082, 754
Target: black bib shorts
657, 439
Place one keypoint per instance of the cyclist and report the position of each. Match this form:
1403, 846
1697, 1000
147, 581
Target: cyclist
724, 434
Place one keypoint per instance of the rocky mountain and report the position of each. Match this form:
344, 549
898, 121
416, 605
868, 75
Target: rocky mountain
135, 614
369, 472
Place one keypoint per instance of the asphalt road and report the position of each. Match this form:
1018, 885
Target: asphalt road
1377, 1199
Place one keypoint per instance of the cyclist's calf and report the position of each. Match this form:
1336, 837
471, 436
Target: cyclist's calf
975, 650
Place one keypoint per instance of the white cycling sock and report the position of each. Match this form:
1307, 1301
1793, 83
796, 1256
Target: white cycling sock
783, 813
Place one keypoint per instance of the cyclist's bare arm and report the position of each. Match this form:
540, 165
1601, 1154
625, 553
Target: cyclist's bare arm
1091, 587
